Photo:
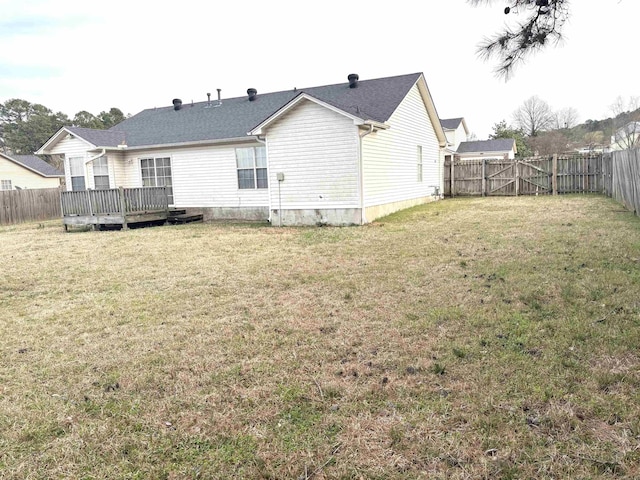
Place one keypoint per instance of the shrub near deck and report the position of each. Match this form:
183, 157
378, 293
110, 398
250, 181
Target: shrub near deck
472, 338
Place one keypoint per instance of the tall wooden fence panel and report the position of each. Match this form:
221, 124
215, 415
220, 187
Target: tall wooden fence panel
623, 182
17, 206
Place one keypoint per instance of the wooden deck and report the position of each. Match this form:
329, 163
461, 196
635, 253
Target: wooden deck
116, 206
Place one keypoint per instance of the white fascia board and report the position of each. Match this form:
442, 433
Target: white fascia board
57, 137
431, 110
259, 129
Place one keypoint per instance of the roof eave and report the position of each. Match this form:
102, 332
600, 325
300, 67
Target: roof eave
431, 110
54, 139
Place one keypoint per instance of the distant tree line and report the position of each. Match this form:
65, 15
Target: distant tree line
539, 130
25, 126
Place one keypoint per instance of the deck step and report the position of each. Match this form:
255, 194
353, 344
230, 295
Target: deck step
177, 211
184, 218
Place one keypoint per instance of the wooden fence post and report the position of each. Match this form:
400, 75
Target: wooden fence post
484, 177
453, 183
123, 207
554, 174
517, 166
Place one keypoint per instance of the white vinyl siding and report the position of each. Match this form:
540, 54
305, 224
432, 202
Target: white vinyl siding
201, 177
317, 150
389, 156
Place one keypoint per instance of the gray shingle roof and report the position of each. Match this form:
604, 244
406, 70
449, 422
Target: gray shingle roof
100, 138
495, 145
372, 100
34, 163
450, 123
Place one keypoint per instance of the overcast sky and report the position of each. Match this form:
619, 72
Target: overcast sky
73, 55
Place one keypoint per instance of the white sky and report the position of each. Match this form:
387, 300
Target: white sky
73, 55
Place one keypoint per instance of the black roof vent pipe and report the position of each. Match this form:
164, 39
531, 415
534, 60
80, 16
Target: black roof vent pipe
219, 99
252, 92
353, 80
177, 104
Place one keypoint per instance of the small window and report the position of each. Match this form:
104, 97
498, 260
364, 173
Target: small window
5, 185
76, 171
101, 174
252, 167
419, 163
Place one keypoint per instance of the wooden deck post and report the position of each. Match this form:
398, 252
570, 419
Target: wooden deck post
123, 207
554, 174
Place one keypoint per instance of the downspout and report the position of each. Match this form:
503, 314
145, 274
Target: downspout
264, 142
91, 159
362, 135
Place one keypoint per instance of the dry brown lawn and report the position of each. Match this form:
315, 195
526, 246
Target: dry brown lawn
471, 338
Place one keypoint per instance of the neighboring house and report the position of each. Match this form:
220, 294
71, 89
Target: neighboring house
456, 131
26, 172
626, 137
339, 154
498, 148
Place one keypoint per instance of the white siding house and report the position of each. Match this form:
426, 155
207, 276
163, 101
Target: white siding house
339, 154
27, 172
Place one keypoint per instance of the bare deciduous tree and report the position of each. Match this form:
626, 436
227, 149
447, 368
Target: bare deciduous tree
543, 24
533, 116
626, 123
565, 118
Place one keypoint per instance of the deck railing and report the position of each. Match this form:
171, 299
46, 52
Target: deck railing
115, 201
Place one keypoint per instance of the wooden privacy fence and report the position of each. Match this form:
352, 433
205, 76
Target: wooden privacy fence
529, 176
18, 206
622, 178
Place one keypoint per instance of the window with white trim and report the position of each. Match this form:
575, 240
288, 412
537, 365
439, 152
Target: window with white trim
419, 163
251, 163
5, 185
101, 173
76, 171
156, 172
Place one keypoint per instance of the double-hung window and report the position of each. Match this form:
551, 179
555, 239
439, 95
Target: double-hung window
5, 185
156, 172
251, 163
101, 173
76, 171
419, 163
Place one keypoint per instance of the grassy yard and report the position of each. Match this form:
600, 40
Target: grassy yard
471, 338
